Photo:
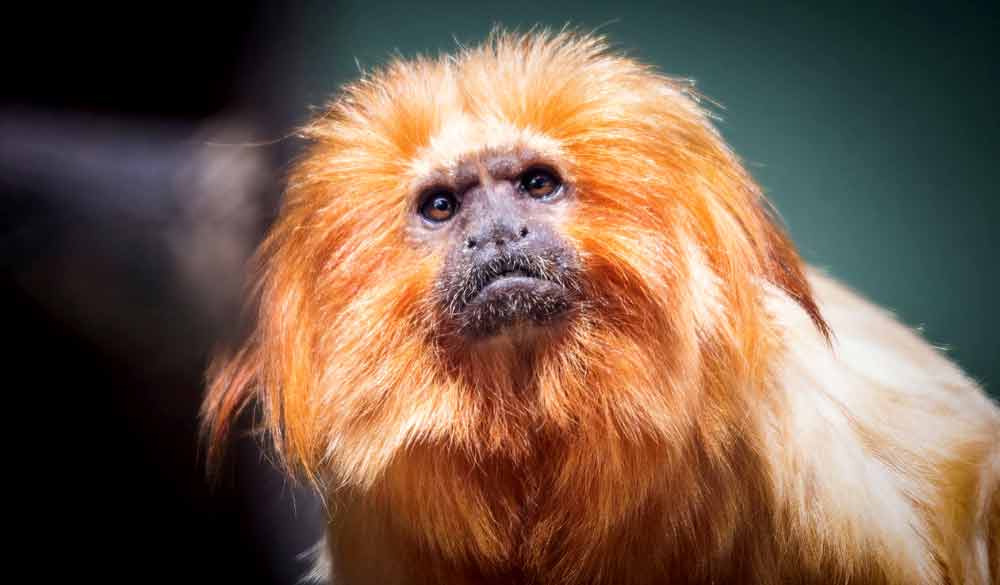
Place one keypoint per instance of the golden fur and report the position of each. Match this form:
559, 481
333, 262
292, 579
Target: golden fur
695, 420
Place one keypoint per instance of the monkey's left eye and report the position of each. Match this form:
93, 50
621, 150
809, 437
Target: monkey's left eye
439, 207
540, 183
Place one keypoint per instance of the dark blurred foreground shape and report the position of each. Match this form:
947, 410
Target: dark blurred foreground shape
131, 204
141, 160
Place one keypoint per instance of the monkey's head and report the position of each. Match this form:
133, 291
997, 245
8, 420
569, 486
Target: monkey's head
532, 238
494, 218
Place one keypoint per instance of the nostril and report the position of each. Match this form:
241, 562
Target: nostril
501, 241
524, 231
471, 243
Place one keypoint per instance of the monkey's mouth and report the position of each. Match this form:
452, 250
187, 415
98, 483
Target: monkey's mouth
512, 290
509, 278
504, 275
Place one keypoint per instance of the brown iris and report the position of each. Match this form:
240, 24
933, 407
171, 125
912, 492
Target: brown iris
438, 207
540, 183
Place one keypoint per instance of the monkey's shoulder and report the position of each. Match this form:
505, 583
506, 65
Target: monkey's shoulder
879, 443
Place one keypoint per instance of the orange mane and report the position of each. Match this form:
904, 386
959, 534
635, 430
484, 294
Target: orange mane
360, 396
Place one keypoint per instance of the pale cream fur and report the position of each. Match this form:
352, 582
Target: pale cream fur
880, 445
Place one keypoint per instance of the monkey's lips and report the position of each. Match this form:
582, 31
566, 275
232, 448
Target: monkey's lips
513, 282
511, 298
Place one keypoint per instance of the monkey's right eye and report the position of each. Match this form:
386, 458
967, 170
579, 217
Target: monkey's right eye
439, 207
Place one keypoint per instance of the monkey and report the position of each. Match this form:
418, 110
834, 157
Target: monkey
525, 318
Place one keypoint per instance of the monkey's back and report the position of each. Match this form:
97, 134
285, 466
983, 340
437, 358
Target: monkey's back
883, 448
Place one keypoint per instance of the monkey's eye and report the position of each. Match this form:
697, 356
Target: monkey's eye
540, 183
439, 207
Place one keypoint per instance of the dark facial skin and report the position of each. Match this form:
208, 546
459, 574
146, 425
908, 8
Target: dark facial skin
505, 267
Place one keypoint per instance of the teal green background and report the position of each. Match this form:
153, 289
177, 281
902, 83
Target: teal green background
871, 127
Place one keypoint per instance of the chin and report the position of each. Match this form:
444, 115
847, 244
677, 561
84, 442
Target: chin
525, 318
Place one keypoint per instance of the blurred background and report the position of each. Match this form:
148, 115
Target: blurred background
142, 150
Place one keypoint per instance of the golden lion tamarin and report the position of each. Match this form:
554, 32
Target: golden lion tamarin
525, 318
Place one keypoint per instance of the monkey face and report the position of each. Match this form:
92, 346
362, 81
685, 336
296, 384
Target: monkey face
506, 267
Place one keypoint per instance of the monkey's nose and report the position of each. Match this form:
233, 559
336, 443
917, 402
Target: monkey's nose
500, 235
